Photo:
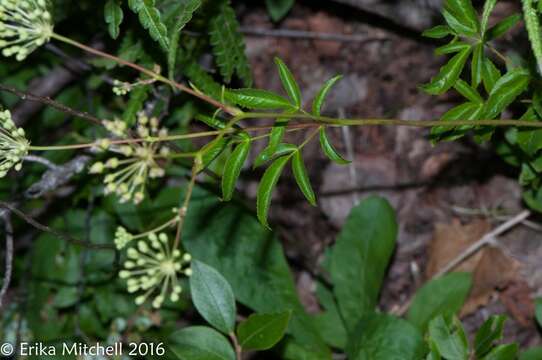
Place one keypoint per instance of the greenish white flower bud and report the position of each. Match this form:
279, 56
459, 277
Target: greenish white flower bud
13, 144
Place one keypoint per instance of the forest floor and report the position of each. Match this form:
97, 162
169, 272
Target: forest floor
447, 196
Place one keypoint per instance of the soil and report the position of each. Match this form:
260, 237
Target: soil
427, 184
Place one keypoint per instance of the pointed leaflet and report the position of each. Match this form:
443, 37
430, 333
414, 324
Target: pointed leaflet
360, 257
113, 16
301, 177
329, 149
213, 297
322, 94
490, 75
532, 23
257, 99
469, 92
505, 91
490, 332
502, 27
438, 32
262, 331
461, 16
281, 150
477, 64
150, 19
448, 74
233, 167
444, 295
289, 83
229, 45
453, 47
266, 187
466, 111
530, 139
183, 15
488, 8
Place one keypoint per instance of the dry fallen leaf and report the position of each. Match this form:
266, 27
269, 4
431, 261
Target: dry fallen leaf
492, 269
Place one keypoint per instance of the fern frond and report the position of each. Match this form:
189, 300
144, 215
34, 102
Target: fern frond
150, 19
229, 46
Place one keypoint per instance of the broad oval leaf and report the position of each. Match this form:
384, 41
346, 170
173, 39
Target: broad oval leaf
233, 167
532, 354
266, 187
385, 337
448, 74
505, 91
329, 149
302, 178
322, 94
257, 99
200, 343
360, 257
113, 16
448, 337
444, 295
279, 8
289, 83
262, 331
213, 297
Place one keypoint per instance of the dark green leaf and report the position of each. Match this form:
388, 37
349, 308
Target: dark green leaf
229, 45
262, 331
257, 99
477, 65
502, 27
150, 19
444, 295
505, 91
360, 257
267, 154
322, 94
466, 111
461, 16
329, 322
453, 47
448, 74
279, 8
200, 343
233, 167
213, 297
532, 354
289, 83
266, 187
183, 15
448, 337
490, 332
530, 139
212, 150
113, 16
438, 32
503, 352
467, 91
384, 337
302, 178
490, 74
330, 150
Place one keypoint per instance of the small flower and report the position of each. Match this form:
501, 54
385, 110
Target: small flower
121, 88
13, 144
129, 173
155, 267
25, 25
122, 237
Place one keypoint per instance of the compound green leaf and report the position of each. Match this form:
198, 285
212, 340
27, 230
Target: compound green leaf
502, 27
266, 187
302, 178
448, 74
233, 168
150, 19
505, 91
322, 95
289, 83
213, 297
257, 99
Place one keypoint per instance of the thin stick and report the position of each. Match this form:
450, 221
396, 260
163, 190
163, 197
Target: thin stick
148, 72
237, 346
183, 210
471, 250
9, 258
48, 101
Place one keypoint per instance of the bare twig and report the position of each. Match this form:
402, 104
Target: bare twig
29, 220
471, 250
300, 34
50, 102
237, 346
41, 160
9, 257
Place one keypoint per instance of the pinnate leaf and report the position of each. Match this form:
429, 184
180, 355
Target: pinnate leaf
150, 19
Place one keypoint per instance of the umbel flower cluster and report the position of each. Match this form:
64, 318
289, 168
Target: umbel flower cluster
13, 144
155, 269
135, 163
24, 26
